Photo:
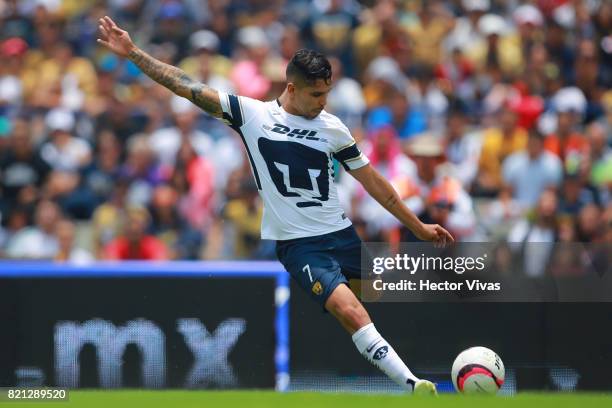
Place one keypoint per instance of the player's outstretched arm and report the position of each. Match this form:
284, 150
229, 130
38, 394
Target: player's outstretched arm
173, 78
383, 192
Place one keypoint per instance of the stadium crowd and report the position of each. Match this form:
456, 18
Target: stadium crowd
490, 117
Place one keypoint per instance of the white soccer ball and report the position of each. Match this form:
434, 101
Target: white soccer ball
478, 370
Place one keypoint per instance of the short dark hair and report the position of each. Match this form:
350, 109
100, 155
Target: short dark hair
308, 66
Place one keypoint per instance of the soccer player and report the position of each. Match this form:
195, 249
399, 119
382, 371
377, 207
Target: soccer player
290, 144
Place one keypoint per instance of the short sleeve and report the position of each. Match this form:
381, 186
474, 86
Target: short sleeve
348, 154
238, 110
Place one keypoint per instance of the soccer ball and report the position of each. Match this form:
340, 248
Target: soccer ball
478, 370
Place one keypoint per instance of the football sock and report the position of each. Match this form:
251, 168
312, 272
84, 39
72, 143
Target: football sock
378, 352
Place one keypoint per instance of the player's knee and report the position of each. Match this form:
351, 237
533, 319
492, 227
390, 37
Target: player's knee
352, 313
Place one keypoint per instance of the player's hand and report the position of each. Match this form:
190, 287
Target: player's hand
114, 38
436, 234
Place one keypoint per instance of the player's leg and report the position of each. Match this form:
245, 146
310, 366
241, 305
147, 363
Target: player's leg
347, 309
344, 306
317, 271
352, 315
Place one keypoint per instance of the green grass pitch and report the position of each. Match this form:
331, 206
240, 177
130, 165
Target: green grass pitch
269, 399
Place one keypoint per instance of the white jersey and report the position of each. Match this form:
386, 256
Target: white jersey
292, 162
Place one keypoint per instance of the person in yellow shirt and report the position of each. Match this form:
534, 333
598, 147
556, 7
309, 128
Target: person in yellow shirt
245, 214
498, 143
500, 48
428, 32
53, 74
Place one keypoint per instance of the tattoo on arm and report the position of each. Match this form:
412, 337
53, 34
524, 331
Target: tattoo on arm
383, 191
178, 82
390, 201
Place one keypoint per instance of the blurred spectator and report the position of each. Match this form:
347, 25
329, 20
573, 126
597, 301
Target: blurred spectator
248, 74
529, 172
134, 242
535, 237
329, 29
346, 98
385, 154
290, 42
99, 178
20, 164
449, 205
567, 263
499, 215
529, 21
557, 44
55, 76
172, 26
569, 104
428, 32
14, 22
523, 98
500, 50
109, 216
381, 34
600, 158
194, 178
398, 113
205, 64
434, 193
38, 241
455, 76
383, 77
11, 223
142, 170
574, 194
465, 30
67, 251
244, 213
590, 228
12, 51
166, 142
182, 241
64, 152
462, 147
426, 96
497, 144
503, 261
590, 76
222, 23
566, 229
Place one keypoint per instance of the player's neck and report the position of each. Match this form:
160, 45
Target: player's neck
285, 103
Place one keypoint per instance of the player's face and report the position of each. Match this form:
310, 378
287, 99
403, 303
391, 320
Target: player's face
310, 99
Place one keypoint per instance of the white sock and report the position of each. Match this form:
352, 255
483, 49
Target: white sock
377, 351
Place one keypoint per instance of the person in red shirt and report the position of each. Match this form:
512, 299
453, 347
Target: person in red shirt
134, 243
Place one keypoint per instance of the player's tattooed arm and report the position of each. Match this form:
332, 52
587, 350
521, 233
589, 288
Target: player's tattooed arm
118, 41
178, 82
383, 192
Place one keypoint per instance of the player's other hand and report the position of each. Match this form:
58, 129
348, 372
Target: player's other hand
114, 38
436, 234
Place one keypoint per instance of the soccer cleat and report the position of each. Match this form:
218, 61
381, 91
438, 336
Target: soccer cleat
424, 387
